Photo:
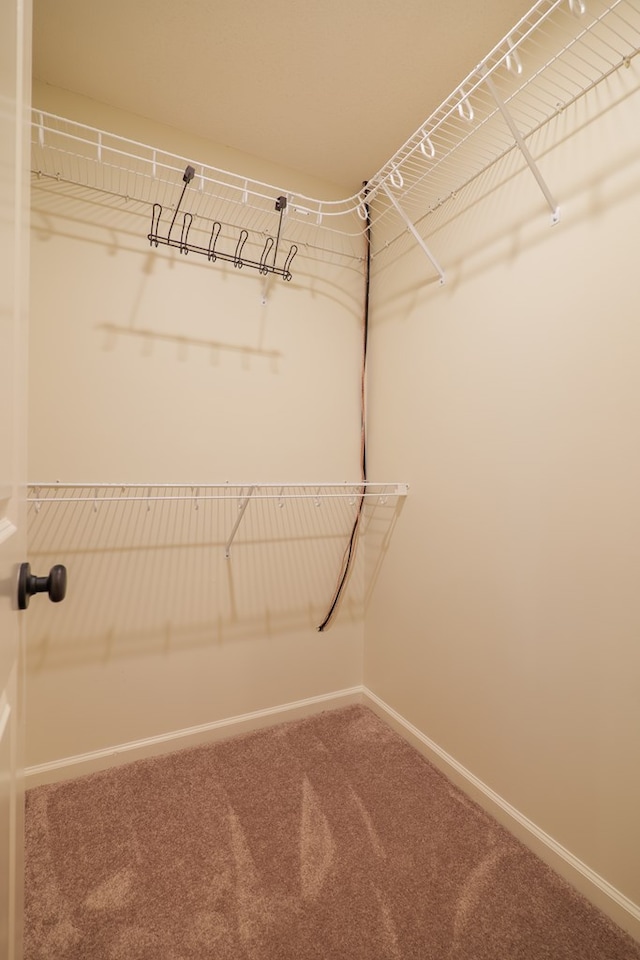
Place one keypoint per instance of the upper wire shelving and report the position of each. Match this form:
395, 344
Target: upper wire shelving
556, 53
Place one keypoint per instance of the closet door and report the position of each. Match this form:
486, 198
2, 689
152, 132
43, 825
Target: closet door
15, 66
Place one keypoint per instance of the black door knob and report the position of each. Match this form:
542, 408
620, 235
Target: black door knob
55, 584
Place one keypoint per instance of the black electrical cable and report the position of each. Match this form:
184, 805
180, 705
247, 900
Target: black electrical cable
349, 553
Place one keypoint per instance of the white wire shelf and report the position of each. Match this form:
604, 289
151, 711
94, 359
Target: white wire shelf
97, 495
555, 54
141, 175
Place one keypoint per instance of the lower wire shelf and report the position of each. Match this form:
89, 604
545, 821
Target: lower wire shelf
47, 493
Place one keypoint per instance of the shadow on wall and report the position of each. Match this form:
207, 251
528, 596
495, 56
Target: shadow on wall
378, 524
153, 576
119, 224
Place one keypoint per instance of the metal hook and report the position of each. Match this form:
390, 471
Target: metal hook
155, 224
396, 178
187, 220
215, 233
237, 260
286, 273
264, 267
427, 147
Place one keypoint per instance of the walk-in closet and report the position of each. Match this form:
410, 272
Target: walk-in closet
330, 401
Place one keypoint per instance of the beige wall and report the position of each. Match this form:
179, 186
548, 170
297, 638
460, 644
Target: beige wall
502, 613
148, 366
505, 621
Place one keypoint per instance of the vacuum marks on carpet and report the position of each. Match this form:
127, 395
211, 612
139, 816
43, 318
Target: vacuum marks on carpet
328, 838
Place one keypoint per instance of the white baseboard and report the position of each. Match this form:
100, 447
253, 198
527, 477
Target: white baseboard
624, 912
595, 888
68, 768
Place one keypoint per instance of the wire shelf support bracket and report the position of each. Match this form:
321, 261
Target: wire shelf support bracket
412, 228
242, 506
524, 150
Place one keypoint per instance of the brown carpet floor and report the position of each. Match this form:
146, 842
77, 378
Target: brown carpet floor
324, 839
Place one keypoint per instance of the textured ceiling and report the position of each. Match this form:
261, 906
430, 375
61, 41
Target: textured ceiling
328, 87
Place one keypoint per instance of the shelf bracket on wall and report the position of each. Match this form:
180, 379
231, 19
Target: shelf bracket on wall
519, 139
413, 230
244, 503
265, 265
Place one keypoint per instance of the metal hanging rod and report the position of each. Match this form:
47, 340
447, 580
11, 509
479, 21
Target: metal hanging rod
265, 265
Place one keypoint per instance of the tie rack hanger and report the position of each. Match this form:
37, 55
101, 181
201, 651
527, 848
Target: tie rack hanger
265, 265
